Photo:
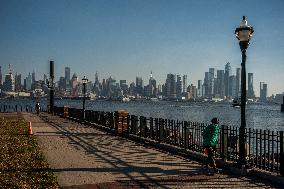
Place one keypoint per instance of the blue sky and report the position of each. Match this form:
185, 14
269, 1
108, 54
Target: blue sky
129, 38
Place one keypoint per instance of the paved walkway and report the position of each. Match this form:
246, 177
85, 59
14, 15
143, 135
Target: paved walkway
84, 157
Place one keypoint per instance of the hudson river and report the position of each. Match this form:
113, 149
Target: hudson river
259, 116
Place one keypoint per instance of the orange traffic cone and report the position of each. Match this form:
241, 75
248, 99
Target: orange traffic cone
30, 128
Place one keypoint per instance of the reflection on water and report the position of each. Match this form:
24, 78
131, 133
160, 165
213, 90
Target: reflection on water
260, 116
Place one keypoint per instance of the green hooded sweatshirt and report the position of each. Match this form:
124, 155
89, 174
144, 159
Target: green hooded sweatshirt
211, 135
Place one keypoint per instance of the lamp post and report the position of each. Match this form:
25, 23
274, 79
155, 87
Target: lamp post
84, 81
243, 34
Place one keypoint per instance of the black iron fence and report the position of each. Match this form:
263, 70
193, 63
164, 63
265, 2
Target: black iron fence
19, 108
264, 148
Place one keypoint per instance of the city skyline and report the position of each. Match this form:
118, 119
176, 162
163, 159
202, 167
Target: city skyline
125, 39
216, 83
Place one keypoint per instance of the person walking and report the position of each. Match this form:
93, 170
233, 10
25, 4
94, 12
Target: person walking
210, 140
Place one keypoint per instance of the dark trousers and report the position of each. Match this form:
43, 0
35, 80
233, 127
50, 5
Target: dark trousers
211, 157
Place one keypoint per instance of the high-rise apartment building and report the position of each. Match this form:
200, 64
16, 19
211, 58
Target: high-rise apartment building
220, 85
170, 86
178, 87
211, 77
232, 86
139, 86
206, 84
184, 83
67, 77
28, 82
9, 82
250, 93
199, 88
238, 82
228, 73
263, 92
18, 82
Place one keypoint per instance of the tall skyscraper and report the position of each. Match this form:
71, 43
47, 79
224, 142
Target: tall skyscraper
139, 86
238, 82
170, 86
206, 84
9, 83
18, 82
67, 77
263, 92
152, 90
220, 92
28, 82
178, 87
232, 86
228, 73
199, 88
184, 83
211, 81
250, 93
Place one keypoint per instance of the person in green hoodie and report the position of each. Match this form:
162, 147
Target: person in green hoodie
210, 140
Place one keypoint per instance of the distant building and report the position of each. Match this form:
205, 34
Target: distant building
211, 80
170, 86
220, 84
206, 84
184, 83
9, 82
232, 86
18, 82
263, 92
139, 86
199, 88
250, 93
67, 78
228, 73
178, 86
238, 82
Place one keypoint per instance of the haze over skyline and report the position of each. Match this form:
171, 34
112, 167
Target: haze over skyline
129, 38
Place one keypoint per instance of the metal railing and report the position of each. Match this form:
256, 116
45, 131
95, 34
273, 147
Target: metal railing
19, 108
264, 148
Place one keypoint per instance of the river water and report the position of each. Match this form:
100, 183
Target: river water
258, 116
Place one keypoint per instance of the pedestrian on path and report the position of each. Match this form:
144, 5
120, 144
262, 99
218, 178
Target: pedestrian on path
210, 140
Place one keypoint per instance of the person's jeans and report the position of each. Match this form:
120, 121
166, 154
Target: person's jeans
211, 157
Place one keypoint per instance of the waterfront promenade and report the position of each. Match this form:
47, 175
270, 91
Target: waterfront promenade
84, 157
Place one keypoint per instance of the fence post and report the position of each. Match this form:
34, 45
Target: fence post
185, 134
224, 142
282, 153
151, 128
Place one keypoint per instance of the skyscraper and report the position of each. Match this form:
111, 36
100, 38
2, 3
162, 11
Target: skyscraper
170, 86
67, 77
206, 84
232, 86
178, 86
139, 86
211, 77
184, 83
220, 92
238, 82
18, 82
9, 83
199, 89
152, 86
29, 82
228, 73
263, 92
250, 93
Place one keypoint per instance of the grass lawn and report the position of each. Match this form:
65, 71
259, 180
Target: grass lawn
22, 164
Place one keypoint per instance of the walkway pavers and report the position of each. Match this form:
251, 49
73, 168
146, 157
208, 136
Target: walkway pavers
84, 157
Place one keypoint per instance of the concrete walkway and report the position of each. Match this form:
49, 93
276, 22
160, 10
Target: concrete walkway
84, 157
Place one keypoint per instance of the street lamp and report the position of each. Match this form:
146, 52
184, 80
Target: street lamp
84, 81
243, 34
